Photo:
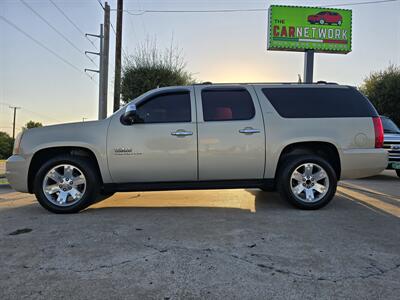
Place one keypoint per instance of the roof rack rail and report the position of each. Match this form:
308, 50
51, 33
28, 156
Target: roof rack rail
325, 82
244, 83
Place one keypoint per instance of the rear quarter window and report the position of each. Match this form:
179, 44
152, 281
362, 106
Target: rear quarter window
227, 105
319, 102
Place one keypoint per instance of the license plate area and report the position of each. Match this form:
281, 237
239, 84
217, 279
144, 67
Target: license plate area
395, 165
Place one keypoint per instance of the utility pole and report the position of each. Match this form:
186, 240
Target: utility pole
100, 37
118, 48
15, 117
308, 66
104, 62
104, 38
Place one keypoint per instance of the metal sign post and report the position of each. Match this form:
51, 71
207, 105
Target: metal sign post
308, 66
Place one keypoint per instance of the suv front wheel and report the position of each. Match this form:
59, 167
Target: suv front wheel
307, 182
66, 184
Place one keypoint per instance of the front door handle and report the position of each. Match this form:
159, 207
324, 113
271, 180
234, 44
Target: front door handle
181, 133
249, 130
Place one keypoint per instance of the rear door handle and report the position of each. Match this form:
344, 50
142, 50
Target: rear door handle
249, 130
181, 133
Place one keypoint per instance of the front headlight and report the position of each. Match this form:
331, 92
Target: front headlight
17, 143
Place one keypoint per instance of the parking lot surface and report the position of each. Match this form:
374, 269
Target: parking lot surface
237, 244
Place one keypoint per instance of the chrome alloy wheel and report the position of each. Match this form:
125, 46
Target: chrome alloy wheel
64, 185
309, 182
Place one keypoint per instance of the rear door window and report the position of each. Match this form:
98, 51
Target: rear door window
319, 102
227, 105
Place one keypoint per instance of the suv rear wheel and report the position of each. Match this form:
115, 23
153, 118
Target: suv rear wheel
307, 181
398, 172
66, 184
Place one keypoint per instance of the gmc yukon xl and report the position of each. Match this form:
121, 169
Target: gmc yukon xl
297, 138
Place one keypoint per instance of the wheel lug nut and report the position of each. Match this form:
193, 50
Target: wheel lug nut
71, 182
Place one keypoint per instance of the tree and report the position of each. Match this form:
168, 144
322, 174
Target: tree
6, 144
149, 68
383, 89
32, 124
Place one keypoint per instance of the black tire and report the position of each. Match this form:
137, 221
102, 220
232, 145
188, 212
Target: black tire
103, 196
398, 172
291, 163
92, 183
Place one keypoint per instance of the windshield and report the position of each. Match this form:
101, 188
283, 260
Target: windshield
389, 126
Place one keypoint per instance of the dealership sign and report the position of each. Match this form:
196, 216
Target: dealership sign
293, 28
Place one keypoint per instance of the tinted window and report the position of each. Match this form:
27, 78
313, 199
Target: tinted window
319, 102
389, 126
165, 108
226, 105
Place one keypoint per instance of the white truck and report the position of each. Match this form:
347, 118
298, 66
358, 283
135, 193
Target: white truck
392, 143
297, 138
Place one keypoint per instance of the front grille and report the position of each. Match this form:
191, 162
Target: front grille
393, 147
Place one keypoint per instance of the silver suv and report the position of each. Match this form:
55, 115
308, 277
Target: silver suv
298, 138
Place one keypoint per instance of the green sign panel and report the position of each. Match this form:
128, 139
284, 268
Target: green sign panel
294, 28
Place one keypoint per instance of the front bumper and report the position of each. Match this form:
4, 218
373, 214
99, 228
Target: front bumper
17, 173
393, 165
359, 163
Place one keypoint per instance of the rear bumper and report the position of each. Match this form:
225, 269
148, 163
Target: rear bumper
17, 173
358, 163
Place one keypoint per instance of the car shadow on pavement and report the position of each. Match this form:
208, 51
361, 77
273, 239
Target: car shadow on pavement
381, 178
249, 201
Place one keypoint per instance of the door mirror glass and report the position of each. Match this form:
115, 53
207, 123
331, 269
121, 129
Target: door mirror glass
130, 115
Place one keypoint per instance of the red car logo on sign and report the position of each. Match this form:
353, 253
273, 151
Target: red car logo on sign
326, 18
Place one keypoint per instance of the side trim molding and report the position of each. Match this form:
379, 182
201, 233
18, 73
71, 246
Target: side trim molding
267, 184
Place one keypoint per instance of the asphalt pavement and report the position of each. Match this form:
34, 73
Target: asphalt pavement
235, 244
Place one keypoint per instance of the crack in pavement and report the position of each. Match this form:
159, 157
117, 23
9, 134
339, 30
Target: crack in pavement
269, 265
102, 267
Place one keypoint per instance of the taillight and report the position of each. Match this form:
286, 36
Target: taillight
379, 136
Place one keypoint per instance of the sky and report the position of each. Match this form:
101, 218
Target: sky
218, 47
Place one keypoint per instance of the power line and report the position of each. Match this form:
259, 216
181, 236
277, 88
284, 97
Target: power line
73, 23
115, 33
33, 112
41, 115
43, 46
141, 12
56, 30
362, 3
101, 4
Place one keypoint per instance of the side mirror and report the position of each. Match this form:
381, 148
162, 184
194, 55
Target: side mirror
130, 115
